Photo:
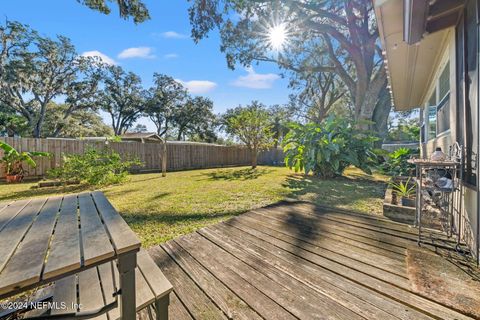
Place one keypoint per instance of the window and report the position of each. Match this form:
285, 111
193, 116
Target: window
437, 112
431, 115
444, 82
443, 108
443, 115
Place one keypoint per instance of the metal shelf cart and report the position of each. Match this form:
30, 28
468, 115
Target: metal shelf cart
440, 183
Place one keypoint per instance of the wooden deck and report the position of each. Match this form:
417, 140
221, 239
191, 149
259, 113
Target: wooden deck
295, 261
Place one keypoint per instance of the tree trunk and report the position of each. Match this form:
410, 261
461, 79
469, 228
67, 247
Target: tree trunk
380, 116
254, 157
164, 158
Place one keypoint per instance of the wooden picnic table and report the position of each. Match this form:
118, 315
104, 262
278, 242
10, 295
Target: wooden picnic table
44, 240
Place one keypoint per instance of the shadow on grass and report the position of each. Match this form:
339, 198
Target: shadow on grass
336, 192
138, 219
237, 174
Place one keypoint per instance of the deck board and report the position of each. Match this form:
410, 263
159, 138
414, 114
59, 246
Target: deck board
320, 264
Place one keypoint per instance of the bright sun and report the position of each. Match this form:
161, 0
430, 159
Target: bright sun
277, 36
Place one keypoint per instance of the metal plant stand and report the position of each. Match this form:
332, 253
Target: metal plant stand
440, 183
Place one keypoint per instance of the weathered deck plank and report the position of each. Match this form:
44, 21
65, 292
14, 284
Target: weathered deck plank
342, 259
290, 293
328, 229
260, 302
262, 259
320, 264
199, 305
362, 300
309, 235
223, 297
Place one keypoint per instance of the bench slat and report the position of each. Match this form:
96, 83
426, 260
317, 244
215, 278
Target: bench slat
25, 267
95, 240
65, 291
153, 275
124, 239
14, 232
90, 292
4, 205
64, 253
11, 212
107, 279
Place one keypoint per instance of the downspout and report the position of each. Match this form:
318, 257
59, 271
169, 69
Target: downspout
478, 148
478, 177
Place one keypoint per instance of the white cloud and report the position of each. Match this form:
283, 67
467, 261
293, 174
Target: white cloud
255, 80
138, 52
173, 35
198, 86
103, 57
171, 56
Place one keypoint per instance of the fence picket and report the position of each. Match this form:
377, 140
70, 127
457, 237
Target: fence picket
180, 155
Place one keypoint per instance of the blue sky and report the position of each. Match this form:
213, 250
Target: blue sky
162, 44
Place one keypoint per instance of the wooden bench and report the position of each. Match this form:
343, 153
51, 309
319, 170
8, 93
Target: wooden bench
94, 290
82, 245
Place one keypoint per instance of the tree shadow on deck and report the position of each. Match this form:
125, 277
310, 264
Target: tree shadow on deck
237, 174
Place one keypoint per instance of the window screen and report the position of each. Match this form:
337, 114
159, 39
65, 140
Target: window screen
432, 115
443, 114
444, 82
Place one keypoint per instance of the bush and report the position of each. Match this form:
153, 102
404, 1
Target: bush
327, 149
396, 163
94, 167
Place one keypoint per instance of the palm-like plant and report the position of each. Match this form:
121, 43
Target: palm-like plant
404, 189
14, 159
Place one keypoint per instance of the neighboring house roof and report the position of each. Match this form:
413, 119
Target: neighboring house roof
144, 136
410, 67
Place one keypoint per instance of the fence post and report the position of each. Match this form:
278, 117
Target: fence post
164, 158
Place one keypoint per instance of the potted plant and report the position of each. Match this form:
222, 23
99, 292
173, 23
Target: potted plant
15, 160
405, 191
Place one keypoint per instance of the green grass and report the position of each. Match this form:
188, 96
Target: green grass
159, 209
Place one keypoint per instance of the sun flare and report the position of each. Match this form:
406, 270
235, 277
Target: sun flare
277, 36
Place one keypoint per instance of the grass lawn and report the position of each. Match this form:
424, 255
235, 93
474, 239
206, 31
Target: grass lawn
159, 209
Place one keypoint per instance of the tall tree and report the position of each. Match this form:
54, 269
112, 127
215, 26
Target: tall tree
316, 95
135, 9
195, 118
280, 116
164, 99
251, 125
35, 70
339, 37
12, 124
140, 128
122, 97
80, 123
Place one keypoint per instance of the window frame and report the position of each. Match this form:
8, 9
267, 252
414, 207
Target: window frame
440, 103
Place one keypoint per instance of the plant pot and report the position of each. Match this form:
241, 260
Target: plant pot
14, 178
408, 202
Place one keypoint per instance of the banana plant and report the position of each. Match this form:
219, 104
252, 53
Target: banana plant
14, 159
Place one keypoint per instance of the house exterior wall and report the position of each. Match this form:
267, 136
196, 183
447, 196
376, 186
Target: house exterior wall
469, 197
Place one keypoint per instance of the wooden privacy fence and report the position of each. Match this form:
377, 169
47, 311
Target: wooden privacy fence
180, 155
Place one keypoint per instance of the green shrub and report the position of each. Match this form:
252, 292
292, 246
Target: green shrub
404, 188
396, 163
327, 149
94, 167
